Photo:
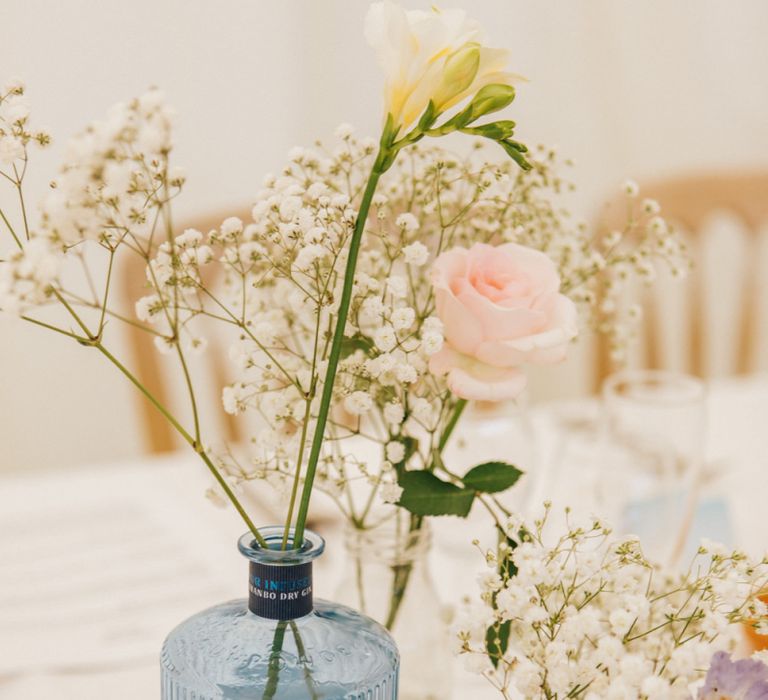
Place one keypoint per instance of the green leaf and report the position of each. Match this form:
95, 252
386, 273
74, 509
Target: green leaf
507, 567
497, 635
355, 342
497, 641
491, 477
425, 494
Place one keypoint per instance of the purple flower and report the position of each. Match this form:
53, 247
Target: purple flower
735, 680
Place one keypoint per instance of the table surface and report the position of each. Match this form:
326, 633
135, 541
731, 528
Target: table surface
98, 564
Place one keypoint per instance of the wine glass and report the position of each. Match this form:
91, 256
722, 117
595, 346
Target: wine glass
654, 426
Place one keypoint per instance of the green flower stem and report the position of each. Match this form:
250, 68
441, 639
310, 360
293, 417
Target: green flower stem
304, 660
273, 665
401, 577
338, 337
402, 572
461, 404
297, 475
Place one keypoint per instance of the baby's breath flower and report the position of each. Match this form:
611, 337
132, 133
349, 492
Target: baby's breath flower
394, 414
631, 188
408, 222
403, 318
344, 131
390, 492
395, 451
432, 343
650, 633
415, 254
385, 338
358, 403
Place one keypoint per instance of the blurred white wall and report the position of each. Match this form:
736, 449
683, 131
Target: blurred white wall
625, 88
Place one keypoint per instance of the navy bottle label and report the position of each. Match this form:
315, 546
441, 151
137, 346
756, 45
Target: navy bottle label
280, 592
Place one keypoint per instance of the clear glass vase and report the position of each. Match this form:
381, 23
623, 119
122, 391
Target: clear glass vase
497, 431
387, 577
279, 644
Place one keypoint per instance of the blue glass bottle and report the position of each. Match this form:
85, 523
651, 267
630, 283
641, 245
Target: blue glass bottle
279, 644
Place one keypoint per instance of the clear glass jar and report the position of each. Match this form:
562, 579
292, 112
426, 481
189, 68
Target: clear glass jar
279, 644
654, 430
387, 576
491, 431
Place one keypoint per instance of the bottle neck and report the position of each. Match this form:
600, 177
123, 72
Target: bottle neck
280, 577
282, 592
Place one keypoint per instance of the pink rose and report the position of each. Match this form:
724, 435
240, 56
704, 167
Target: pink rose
500, 307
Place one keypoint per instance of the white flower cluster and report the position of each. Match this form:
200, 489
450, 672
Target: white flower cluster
115, 173
15, 130
174, 274
584, 616
27, 276
26, 273
114, 188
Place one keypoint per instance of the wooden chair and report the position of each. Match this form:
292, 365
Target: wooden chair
688, 203
158, 434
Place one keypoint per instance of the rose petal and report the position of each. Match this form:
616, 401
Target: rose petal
473, 380
497, 322
539, 265
461, 328
466, 386
546, 348
444, 360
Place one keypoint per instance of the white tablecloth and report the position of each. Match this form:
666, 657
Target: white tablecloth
96, 566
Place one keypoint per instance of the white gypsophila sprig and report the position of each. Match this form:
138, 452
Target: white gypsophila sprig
112, 198
26, 273
582, 615
115, 174
113, 190
16, 131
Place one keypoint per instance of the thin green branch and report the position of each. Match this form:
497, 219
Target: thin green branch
10, 228
106, 291
69, 334
21, 201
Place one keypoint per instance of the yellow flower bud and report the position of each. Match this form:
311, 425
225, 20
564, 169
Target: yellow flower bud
458, 74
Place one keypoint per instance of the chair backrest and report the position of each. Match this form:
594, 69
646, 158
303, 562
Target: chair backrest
689, 203
159, 436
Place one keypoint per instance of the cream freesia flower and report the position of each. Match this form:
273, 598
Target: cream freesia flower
437, 55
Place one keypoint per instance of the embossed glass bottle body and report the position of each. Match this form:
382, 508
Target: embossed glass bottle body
279, 644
